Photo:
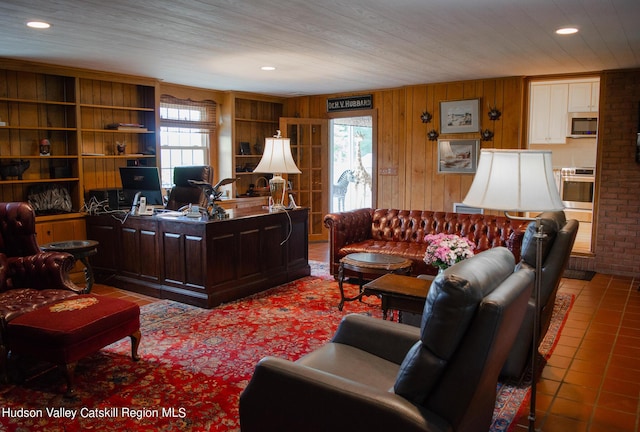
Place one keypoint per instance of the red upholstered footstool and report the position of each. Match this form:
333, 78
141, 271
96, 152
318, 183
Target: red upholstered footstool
68, 330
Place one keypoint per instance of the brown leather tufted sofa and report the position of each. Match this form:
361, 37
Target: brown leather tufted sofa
402, 232
29, 278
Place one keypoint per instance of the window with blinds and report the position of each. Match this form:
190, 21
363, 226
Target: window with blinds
186, 128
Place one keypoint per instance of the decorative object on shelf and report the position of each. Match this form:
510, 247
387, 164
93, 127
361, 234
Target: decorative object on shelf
487, 135
494, 113
444, 250
245, 148
458, 156
519, 181
121, 147
460, 116
257, 147
261, 187
50, 199
15, 168
433, 135
134, 127
45, 147
277, 159
426, 117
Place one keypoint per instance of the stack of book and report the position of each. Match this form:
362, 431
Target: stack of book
126, 126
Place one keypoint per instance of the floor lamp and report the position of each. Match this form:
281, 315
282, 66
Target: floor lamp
519, 181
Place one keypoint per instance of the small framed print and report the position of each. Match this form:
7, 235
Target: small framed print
460, 116
458, 156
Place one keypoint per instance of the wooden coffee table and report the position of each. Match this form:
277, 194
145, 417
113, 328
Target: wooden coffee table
367, 264
398, 292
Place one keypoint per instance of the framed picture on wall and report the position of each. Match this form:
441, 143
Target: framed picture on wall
458, 156
460, 116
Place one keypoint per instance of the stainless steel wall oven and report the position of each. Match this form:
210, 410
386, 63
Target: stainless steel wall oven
577, 187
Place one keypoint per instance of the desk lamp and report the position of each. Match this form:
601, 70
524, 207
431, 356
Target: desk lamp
277, 159
519, 181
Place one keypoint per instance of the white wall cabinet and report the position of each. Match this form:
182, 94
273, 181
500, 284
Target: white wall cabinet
584, 96
548, 113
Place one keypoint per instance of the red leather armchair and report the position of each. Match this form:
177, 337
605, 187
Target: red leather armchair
29, 277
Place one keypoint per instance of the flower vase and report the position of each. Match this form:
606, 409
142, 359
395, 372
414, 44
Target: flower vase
440, 271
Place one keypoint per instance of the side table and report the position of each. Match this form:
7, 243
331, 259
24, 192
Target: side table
81, 250
369, 263
398, 292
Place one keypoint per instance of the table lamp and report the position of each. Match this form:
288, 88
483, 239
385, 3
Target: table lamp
277, 159
519, 181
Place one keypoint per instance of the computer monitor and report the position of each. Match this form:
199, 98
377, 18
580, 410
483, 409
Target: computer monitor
145, 180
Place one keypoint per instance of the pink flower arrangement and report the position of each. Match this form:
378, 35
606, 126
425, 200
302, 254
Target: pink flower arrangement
444, 250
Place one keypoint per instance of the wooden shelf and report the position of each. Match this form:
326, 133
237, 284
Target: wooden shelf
43, 128
124, 156
52, 157
128, 131
40, 180
113, 107
269, 121
35, 101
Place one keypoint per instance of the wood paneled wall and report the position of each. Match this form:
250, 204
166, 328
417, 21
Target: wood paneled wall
407, 175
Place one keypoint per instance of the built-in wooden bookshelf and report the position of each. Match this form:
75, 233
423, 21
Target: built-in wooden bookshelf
71, 109
254, 120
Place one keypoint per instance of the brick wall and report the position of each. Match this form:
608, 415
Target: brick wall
617, 234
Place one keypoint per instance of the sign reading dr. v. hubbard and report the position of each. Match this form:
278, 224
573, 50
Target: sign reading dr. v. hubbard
349, 103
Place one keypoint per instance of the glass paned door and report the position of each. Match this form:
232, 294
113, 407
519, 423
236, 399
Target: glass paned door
309, 146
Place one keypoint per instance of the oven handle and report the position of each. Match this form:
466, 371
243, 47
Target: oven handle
584, 179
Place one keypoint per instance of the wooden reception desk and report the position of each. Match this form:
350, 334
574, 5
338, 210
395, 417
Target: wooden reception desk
201, 262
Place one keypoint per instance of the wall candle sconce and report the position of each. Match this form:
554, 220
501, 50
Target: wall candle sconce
432, 135
426, 117
494, 113
487, 135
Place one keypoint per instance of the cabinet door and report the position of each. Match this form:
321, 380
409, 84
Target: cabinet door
47, 232
548, 114
584, 96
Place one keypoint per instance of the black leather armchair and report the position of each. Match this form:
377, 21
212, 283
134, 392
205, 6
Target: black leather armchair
381, 375
183, 193
556, 250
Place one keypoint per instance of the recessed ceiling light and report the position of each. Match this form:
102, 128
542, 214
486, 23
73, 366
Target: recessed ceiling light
38, 24
567, 30
268, 68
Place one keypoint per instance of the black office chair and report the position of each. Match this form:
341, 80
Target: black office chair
183, 193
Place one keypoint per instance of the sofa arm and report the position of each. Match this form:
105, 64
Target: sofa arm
346, 228
46, 270
290, 397
386, 339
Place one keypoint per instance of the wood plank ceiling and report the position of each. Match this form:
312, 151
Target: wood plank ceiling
324, 46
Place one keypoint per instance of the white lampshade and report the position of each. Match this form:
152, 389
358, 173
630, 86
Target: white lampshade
277, 157
514, 180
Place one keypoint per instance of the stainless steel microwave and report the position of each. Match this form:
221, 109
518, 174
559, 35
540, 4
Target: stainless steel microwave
582, 125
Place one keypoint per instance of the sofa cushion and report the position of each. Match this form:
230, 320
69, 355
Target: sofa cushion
450, 306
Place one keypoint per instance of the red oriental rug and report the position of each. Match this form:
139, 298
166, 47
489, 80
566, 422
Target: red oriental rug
196, 362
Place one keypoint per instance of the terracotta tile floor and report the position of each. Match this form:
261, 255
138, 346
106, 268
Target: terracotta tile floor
592, 380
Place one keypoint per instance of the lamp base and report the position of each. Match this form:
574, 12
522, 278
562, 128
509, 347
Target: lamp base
277, 186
